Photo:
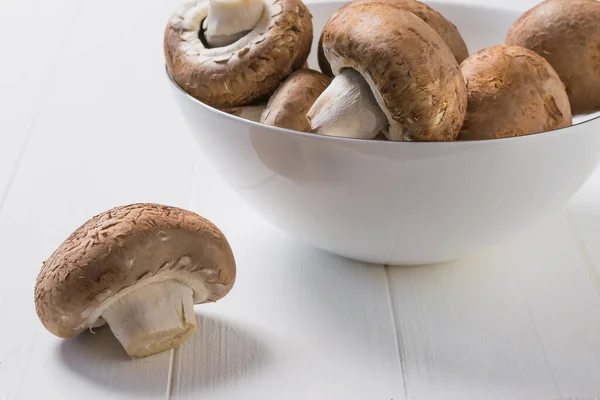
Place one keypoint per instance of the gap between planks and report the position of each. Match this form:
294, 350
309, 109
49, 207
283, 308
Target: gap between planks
397, 333
173, 356
39, 104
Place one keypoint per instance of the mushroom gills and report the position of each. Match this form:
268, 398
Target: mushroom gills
347, 108
230, 20
154, 318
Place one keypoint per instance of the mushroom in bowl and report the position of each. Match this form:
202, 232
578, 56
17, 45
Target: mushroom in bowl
512, 91
393, 74
398, 202
289, 105
235, 54
567, 34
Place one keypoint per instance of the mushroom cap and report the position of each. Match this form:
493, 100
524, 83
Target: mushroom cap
512, 91
288, 106
246, 71
567, 34
446, 29
125, 248
410, 69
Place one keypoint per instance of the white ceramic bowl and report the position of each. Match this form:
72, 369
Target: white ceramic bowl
394, 202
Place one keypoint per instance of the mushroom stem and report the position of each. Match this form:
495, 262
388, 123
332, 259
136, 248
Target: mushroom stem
251, 113
230, 20
153, 318
347, 108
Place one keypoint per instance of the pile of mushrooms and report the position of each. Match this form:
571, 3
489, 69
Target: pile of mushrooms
392, 69
140, 269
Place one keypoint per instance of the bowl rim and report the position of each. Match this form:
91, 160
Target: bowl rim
531, 136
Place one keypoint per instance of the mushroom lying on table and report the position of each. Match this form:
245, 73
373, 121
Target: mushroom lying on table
446, 29
235, 53
140, 268
394, 74
288, 106
567, 34
512, 91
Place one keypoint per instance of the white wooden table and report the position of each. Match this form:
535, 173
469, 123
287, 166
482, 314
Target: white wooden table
87, 122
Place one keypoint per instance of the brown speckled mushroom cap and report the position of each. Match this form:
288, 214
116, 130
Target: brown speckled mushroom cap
122, 249
567, 34
288, 106
410, 69
246, 71
512, 91
443, 27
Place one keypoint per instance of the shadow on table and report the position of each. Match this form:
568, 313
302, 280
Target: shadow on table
99, 358
221, 353
218, 353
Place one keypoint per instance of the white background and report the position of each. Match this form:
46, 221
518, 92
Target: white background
87, 122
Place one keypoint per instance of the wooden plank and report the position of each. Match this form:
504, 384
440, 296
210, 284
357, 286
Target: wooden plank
299, 323
564, 304
520, 320
32, 36
107, 134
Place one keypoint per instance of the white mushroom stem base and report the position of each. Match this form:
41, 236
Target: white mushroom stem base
155, 318
347, 108
251, 113
230, 20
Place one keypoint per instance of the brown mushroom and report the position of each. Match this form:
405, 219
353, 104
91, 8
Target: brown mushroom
394, 74
446, 29
512, 91
231, 53
567, 34
288, 106
140, 268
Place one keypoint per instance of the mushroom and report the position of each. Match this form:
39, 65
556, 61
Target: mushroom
288, 106
567, 34
446, 29
394, 74
140, 268
512, 91
232, 53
